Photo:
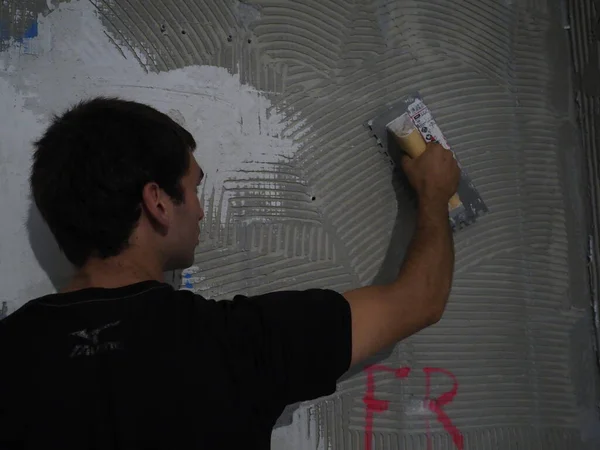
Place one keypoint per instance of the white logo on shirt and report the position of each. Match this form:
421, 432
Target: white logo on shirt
93, 344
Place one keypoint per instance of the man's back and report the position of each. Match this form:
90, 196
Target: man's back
145, 366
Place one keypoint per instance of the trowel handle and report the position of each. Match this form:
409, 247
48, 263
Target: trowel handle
414, 145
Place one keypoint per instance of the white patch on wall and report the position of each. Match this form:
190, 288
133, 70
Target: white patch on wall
236, 128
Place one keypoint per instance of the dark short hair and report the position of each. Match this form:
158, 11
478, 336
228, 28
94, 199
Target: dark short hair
91, 165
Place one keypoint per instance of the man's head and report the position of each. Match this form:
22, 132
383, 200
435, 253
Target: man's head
109, 175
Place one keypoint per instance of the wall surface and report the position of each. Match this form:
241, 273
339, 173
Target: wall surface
298, 195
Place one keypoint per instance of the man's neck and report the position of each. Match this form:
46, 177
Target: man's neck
113, 272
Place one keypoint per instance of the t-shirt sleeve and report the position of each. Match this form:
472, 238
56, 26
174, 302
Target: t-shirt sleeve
301, 341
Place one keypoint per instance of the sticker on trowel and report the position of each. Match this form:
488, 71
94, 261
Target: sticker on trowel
423, 121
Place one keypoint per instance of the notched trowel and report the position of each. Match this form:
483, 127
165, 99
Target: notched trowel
406, 126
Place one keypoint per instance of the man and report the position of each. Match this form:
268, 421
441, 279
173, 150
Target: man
120, 360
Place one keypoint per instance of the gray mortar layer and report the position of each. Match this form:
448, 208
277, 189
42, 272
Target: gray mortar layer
494, 75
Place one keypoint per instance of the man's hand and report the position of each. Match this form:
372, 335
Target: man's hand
434, 175
383, 315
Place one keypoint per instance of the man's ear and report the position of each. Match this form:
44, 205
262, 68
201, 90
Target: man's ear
157, 205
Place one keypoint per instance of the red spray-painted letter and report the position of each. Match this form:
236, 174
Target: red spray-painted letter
372, 404
435, 405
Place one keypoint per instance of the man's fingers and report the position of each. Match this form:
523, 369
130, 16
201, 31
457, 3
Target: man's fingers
406, 162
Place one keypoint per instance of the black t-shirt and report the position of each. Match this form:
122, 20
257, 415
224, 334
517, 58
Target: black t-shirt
148, 367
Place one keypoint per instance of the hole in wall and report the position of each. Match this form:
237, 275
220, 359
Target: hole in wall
229, 38
183, 32
313, 198
249, 41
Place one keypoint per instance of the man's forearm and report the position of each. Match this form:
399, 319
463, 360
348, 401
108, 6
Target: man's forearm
384, 314
426, 274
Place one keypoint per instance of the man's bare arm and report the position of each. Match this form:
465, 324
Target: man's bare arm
383, 315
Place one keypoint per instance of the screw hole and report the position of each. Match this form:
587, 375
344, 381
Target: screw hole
313, 198
249, 41
183, 32
229, 38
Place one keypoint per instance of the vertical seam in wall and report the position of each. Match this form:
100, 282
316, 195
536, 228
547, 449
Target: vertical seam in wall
580, 35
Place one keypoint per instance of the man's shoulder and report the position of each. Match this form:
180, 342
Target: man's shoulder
142, 295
